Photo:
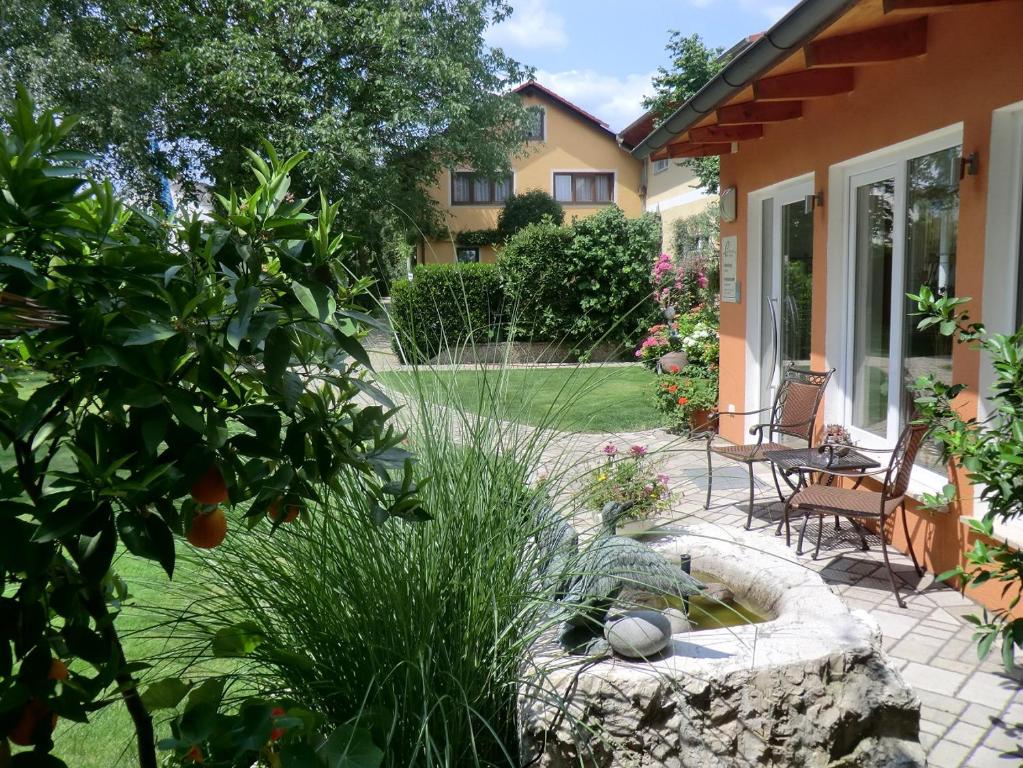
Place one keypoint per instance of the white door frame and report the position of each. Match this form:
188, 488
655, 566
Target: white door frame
783, 193
840, 301
897, 172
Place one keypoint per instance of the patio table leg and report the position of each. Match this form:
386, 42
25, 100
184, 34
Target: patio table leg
749, 517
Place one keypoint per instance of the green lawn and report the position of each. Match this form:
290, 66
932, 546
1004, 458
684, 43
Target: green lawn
590, 399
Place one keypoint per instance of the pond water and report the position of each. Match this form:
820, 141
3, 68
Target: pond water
708, 613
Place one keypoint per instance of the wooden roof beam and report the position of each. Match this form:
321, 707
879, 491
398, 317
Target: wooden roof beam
916, 6
759, 112
870, 46
808, 84
716, 133
689, 149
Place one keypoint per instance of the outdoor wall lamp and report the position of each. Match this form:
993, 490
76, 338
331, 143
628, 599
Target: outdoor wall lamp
969, 165
812, 201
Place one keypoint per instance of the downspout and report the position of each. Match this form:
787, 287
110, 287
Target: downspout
791, 32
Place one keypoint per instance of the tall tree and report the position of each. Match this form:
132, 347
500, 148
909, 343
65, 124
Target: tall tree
384, 93
692, 66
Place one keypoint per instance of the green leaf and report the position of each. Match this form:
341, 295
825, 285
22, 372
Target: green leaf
18, 263
181, 405
351, 747
165, 694
239, 639
276, 356
316, 299
209, 692
149, 334
148, 536
239, 325
299, 755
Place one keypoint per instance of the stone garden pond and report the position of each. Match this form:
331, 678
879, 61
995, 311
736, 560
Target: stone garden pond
778, 673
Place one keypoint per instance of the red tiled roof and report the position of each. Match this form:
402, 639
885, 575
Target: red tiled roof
532, 85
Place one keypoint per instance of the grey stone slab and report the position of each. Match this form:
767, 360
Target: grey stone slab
989, 689
928, 678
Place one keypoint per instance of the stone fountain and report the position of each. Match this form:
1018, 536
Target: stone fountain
810, 686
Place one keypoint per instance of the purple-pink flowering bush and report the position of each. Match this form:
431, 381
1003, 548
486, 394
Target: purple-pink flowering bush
632, 477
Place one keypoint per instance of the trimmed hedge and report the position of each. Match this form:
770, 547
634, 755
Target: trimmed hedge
445, 305
536, 288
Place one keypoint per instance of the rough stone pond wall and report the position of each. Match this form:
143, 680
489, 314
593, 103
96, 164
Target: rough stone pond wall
811, 687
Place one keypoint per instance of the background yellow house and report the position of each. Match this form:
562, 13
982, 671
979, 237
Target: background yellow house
670, 188
571, 155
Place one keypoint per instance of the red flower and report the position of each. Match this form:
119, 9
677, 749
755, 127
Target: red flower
673, 389
674, 369
683, 400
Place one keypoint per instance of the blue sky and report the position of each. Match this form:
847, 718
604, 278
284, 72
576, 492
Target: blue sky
601, 54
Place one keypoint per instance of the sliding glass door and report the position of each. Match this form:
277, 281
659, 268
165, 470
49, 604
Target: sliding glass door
903, 225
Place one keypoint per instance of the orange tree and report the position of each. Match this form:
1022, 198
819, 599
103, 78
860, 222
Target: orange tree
152, 370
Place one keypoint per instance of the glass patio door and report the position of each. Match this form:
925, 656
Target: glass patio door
787, 285
874, 266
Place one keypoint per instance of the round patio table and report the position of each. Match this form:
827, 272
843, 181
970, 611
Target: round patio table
803, 462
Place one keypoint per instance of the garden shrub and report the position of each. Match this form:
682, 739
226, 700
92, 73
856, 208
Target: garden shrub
607, 270
537, 293
528, 208
152, 370
443, 306
991, 452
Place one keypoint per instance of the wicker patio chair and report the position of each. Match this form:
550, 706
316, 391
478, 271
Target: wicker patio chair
853, 504
793, 413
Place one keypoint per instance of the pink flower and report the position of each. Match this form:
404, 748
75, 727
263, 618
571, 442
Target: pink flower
638, 450
648, 489
702, 281
610, 449
662, 479
639, 352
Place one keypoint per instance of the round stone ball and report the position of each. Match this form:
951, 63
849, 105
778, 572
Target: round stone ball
638, 634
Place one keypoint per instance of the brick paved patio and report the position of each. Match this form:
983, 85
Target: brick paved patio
971, 711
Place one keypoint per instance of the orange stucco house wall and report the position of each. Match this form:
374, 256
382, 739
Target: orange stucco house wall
972, 67
574, 141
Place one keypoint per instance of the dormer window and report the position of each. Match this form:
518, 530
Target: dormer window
537, 130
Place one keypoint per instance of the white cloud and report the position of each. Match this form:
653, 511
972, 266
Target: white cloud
769, 11
533, 24
618, 100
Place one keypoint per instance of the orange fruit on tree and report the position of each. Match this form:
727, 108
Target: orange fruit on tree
194, 755
208, 529
291, 511
58, 670
276, 733
210, 488
31, 724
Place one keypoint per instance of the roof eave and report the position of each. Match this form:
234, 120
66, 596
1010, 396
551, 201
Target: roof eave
792, 31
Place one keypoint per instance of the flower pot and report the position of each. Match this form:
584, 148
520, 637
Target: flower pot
702, 420
670, 360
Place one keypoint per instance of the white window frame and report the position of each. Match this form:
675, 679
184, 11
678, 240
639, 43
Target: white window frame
783, 193
1003, 242
476, 248
840, 301
660, 166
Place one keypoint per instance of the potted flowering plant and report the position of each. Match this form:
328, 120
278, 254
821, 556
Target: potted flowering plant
837, 435
688, 399
630, 476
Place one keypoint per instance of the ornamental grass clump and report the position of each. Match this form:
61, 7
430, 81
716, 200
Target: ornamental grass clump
412, 634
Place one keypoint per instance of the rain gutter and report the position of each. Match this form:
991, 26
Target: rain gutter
792, 31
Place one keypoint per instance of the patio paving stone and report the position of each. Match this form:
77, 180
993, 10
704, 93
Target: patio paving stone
971, 713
